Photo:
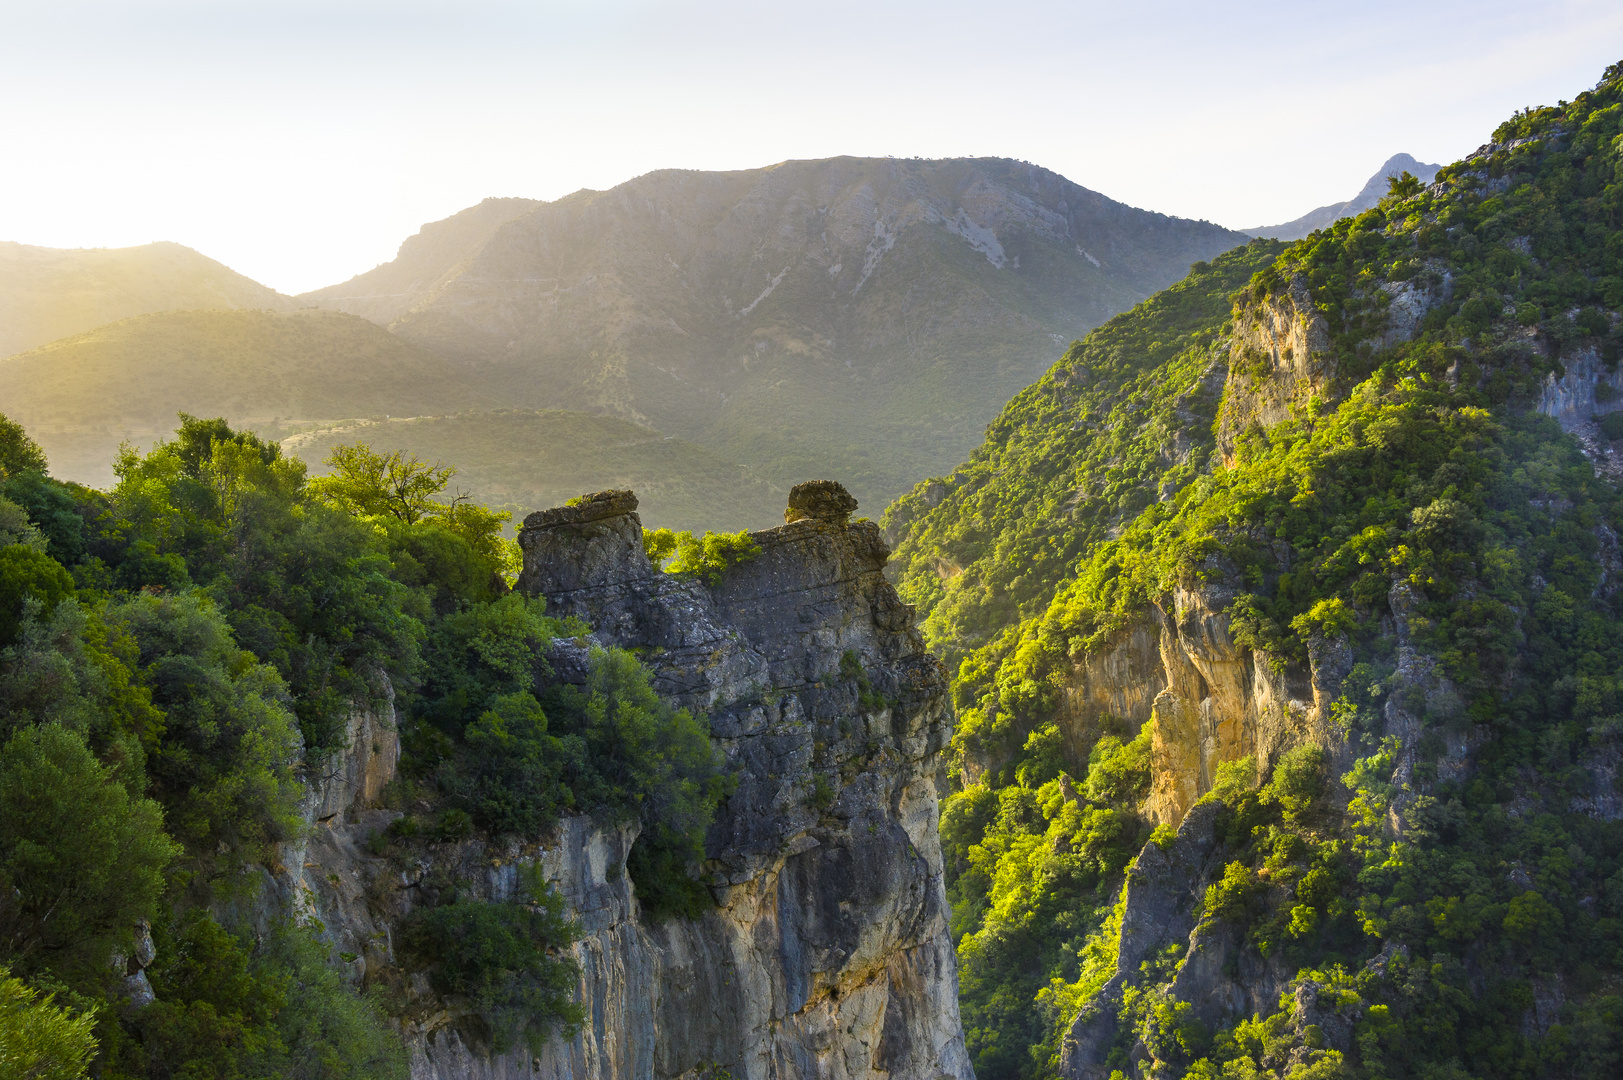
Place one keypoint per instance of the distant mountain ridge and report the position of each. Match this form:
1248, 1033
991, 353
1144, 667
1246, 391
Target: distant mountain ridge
1367, 197
52, 293
521, 460
82, 396
427, 261
858, 317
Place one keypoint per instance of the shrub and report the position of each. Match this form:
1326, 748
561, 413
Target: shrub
1119, 772
38, 1039
706, 557
1230, 898
80, 858
500, 956
1299, 779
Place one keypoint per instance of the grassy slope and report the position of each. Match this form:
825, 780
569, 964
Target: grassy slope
82, 396
523, 461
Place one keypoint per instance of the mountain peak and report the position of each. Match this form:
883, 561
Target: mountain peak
1370, 194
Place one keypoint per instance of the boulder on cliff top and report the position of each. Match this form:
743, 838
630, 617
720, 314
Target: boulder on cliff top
821, 500
593, 507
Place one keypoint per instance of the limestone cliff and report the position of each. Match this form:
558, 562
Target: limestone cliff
1178, 666
1279, 359
1209, 699
827, 953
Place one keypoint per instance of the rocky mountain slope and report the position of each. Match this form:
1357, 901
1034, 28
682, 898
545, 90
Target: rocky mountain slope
52, 293
1300, 756
1370, 194
855, 317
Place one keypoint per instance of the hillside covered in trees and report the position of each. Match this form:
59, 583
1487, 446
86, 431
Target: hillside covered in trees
181, 659
1306, 572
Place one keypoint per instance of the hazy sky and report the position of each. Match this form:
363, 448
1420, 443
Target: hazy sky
299, 143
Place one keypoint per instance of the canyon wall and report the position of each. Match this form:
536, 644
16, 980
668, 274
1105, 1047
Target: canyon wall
1211, 700
827, 954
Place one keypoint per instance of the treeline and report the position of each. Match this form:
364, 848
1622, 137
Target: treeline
180, 657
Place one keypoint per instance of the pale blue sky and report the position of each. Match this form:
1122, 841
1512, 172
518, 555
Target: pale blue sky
299, 143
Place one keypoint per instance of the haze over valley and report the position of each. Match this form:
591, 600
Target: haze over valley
860, 318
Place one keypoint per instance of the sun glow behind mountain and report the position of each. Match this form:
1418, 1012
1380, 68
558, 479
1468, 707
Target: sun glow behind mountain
297, 142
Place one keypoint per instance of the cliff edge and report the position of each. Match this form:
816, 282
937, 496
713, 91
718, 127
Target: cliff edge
827, 953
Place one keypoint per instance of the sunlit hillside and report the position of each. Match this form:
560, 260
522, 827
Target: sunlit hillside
856, 317
84, 395
51, 293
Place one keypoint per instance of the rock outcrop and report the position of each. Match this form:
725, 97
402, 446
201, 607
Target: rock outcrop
1210, 700
1160, 908
827, 954
1280, 357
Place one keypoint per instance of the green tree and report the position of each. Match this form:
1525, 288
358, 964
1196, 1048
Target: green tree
28, 576
373, 484
40, 1040
270, 1005
18, 453
511, 774
80, 858
224, 766
308, 588
503, 957
15, 528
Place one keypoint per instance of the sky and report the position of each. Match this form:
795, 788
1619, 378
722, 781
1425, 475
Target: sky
300, 143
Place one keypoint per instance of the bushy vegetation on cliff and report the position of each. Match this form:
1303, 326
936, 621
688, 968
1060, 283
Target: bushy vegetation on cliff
1123, 419
181, 658
1419, 526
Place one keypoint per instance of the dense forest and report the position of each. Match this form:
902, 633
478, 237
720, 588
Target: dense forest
180, 656
1457, 893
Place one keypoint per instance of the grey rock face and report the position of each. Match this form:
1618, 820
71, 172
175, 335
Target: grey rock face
1162, 908
828, 953
824, 500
